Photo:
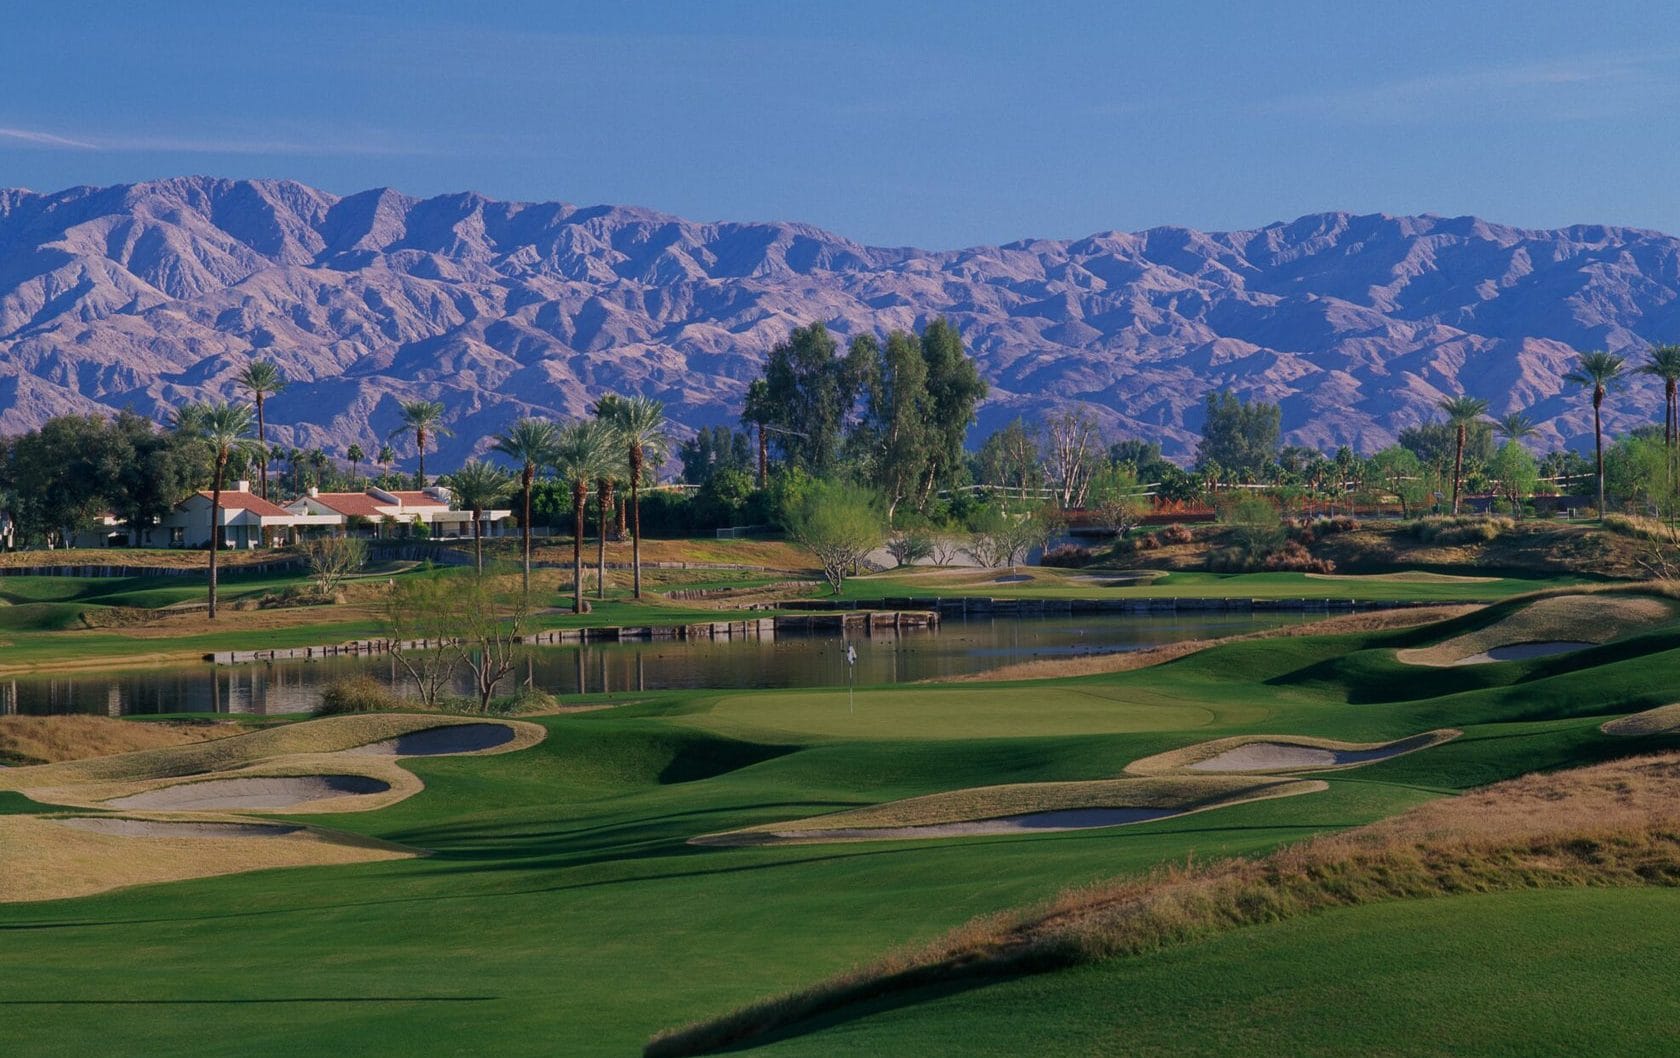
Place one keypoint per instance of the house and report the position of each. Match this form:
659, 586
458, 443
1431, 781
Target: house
245, 520
368, 513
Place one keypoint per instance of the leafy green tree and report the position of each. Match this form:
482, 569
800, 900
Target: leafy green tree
1238, 435
1117, 498
161, 470
954, 392
896, 435
1398, 470
714, 449
223, 429
583, 451
529, 443
638, 424
423, 419
1598, 372
262, 379
809, 390
1009, 458
1461, 412
1636, 470
840, 524
1515, 473
479, 486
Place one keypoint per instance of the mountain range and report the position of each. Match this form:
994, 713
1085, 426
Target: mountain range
150, 294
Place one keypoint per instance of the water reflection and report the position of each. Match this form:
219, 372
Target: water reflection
887, 656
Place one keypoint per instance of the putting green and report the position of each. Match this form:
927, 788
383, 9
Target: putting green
955, 713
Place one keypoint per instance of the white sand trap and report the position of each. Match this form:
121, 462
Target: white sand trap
441, 741
155, 828
1663, 720
1289, 756
267, 792
1406, 577
1524, 651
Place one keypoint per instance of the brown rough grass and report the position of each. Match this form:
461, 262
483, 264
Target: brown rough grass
1098, 664
1614, 824
159, 558
1588, 617
1662, 720
1180, 793
1176, 760
45, 860
50, 739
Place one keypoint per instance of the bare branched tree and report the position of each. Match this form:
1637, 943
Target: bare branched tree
1072, 449
332, 558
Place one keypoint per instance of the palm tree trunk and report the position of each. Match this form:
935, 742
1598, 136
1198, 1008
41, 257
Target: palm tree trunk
602, 487
525, 525
1598, 446
262, 439
636, 519
580, 495
1458, 468
478, 542
763, 457
420, 443
215, 529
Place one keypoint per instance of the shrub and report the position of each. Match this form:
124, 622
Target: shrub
1450, 531
359, 694
1174, 534
1068, 556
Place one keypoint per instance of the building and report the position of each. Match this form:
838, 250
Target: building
245, 519
378, 512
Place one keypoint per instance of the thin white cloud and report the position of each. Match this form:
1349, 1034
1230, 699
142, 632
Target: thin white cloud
45, 139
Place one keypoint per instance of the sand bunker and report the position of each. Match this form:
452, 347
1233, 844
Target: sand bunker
1281, 753
1553, 625
1663, 720
442, 741
267, 792
1021, 808
158, 828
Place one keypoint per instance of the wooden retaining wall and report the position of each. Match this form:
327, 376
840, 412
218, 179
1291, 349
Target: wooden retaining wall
984, 606
864, 622
287, 565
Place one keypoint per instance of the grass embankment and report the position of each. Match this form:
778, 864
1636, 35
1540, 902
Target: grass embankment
1611, 825
563, 907
1044, 583
48, 740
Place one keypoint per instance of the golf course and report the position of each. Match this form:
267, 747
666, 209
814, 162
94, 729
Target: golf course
1234, 846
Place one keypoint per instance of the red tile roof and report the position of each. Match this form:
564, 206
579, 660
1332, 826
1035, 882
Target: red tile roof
419, 499
233, 500
352, 503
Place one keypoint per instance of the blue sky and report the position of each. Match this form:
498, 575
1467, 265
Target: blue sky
934, 124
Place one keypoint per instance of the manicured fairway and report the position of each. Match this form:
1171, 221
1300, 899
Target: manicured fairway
565, 913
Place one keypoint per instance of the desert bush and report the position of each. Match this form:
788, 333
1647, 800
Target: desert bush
359, 694
1068, 556
1175, 534
1450, 531
1640, 528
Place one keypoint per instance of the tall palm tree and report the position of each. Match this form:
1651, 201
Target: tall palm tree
639, 423
583, 451
530, 443
223, 428
319, 462
478, 486
355, 455
603, 506
1461, 412
1516, 426
1664, 363
263, 379
387, 456
757, 411
1598, 371
423, 419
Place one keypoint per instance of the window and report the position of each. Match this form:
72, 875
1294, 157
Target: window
177, 536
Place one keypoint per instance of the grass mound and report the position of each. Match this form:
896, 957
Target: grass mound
48, 860
1587, 618
1663, 720
929, 816
51, 739
1614, 824
1281, 753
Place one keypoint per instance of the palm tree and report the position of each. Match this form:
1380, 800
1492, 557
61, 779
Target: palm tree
478, 486
355, 455
1516, 426
1461, 413
223, 429
1664, 363
422, 418
318, 462
639, 423
387, 456
583, 451
530, 443
1598, 371
603, 505
264, 380
757, 412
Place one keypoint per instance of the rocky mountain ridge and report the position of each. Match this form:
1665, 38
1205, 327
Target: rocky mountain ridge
149, 294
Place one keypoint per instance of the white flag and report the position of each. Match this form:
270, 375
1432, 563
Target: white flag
851, 654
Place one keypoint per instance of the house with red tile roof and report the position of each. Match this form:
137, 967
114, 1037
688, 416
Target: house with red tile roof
374, 511
244, 519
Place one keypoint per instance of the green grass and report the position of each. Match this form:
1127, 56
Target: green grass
1051, 584
564, 912
1517, 975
